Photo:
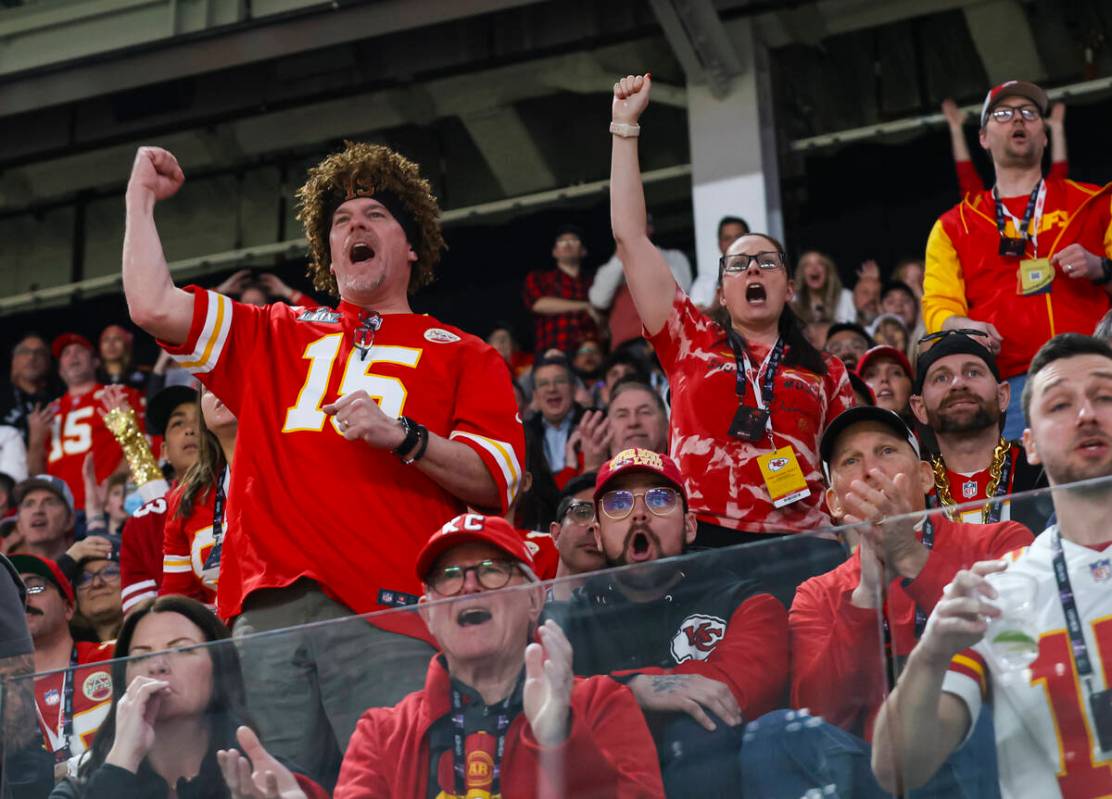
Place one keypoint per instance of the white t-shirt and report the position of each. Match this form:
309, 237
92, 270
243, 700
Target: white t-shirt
1045, 735
609, 277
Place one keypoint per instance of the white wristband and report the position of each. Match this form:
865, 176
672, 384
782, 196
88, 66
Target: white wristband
625, 130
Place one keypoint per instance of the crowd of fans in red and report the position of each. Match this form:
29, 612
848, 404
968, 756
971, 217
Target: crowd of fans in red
286, 462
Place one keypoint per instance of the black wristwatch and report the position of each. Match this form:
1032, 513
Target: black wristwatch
1105, 272
415, 433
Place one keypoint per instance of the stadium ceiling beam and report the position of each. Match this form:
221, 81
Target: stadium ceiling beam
509, 150
265, 254
124, 44
810, 23
913, 126
256, 136
1004, 41
700, 42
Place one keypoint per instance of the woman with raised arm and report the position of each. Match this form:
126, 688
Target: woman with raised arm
750, 395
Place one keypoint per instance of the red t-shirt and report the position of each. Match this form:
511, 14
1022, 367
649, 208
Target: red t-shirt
141, 554
303, 501
186, 544
92, 698
724, 482
77, 428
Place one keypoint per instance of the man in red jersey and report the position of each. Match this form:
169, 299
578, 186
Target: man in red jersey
71, 704
78, 428
1026, 259
360, 429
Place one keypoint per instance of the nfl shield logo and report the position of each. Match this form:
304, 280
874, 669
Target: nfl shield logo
969, 489
1101, 570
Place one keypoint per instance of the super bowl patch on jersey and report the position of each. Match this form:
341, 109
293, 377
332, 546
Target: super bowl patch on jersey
697, 637
440, 336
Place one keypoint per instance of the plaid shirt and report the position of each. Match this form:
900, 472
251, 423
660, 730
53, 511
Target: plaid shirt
563, 331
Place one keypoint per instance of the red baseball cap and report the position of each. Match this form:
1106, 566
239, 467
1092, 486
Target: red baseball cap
493, 530
884, 351
1014, 88
640, 460
64, 340
47, 569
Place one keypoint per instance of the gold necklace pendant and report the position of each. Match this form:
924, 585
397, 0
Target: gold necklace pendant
995, 470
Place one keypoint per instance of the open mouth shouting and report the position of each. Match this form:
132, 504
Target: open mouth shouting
473, 617
641, 546
360, 251
755, 294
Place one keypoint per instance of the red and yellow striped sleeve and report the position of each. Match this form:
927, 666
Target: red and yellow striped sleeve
943, 283
969, 663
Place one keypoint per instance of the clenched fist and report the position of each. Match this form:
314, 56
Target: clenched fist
631, 98
155, 176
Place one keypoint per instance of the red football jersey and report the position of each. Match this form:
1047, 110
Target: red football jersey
77, 429
187, 543
141, 553
724, 482
92, 698
304, 501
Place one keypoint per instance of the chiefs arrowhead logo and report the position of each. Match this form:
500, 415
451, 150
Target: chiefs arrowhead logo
776, 464
697, 637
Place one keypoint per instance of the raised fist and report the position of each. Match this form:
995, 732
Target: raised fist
631, 98
155, 175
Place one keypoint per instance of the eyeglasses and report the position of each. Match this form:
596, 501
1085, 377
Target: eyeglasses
929, 340
541, 385
738, 263
619, 503
34, 587
109, 572
581, 512
491, 574
1004, 113
37, 352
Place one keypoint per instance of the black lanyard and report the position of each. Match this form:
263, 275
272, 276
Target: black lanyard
459, 743
772, 364
1073, 619
213, 559
1018, 246
69, 677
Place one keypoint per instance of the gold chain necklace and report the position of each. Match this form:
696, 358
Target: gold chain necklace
942, 480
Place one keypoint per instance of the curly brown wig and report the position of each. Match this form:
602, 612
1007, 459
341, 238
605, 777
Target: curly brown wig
362, 169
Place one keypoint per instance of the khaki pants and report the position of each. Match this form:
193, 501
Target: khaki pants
307, 687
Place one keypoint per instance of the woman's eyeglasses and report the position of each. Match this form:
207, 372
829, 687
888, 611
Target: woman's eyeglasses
738, 263
619, 503
491, 574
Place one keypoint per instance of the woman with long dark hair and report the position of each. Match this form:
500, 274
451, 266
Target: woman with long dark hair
196, 510
184, 702
750, 395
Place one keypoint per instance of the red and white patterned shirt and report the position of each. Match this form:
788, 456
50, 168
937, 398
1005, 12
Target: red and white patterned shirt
724, 482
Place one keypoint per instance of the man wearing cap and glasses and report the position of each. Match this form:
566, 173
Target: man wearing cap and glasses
702, 650
959, 396
1050, 703
1026, 259
71, 704
360, 429
500, 713
873, 467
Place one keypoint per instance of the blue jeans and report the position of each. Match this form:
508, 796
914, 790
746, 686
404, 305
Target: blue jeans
1014, 424
695, 762
787, 753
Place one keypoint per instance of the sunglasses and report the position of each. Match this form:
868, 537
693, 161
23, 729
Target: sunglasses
619, 503
491, 574
929, 340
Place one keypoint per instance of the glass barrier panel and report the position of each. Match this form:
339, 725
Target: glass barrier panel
760, 670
